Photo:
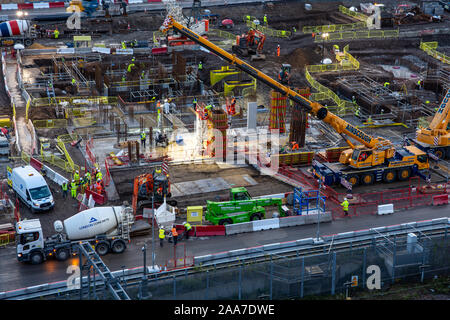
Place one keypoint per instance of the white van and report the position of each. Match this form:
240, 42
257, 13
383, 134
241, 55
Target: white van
31, 188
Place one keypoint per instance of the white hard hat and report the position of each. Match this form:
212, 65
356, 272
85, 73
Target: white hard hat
184, 222
165, 100
345, 199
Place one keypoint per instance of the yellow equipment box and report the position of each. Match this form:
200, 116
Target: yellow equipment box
195, 214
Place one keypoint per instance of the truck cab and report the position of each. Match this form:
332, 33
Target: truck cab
30, 246
239, 194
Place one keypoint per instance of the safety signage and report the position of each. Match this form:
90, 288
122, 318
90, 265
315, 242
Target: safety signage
354, 281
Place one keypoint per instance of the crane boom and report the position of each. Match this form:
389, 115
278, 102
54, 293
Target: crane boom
341, 126
442, 116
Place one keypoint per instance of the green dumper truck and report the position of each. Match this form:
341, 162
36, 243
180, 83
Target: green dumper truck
240, 208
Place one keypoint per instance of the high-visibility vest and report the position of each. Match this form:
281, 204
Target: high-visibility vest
174, 232
56, 33
187, 226
73, 186
386, 84
265, 18
64, 186
73, 81
99, 175
143, 136
98, 186
345, 205
130, 66
88, 176
200, 66
76, 176
162, 234
124, 46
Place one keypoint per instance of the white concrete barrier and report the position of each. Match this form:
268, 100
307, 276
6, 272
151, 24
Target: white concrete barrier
238, 228
266, 224
385, 209
292, 221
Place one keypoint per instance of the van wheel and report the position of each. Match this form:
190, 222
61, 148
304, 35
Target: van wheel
118, 246
102, 248
62, 254
36, 258
255, 217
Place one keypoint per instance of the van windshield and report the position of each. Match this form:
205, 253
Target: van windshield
39, 193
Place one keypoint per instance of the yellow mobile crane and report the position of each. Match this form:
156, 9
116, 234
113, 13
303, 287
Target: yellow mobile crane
436, 138
375, 160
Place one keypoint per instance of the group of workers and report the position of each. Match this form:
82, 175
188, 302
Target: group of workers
84, 183
173, 234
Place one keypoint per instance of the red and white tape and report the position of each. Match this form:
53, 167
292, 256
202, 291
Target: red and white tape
31, 6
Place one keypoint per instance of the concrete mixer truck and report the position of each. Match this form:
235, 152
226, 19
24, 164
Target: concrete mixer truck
106, 228
17, 31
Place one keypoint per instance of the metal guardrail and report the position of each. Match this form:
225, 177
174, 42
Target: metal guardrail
303, 247
336, 242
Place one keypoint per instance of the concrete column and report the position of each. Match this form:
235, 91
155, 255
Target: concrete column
252, 112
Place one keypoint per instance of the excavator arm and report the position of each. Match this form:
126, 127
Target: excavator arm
341, 126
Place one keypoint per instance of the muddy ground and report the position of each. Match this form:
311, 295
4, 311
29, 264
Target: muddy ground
182, 173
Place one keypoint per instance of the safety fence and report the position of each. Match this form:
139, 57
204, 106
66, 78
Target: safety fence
334, 27
91, 156
51, 101
348, 63
341, 108
354, 14
50, 123
222, 34
360, 34
367, 203
430, 49
62, 146
58, 161
268, 31
107, 174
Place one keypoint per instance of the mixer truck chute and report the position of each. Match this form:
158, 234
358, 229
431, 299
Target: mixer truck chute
106, 228
17, 31
375, 159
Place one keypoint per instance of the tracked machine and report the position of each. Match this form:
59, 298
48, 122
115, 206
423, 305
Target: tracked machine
154, 184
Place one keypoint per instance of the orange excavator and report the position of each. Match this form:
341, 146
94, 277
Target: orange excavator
146, 185
251, 43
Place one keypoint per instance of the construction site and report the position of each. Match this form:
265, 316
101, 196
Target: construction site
207, 120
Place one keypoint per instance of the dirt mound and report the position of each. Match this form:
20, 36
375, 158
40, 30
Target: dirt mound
301, 57
39, 46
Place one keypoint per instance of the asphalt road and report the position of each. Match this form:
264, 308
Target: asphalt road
15, 275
